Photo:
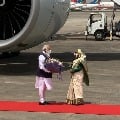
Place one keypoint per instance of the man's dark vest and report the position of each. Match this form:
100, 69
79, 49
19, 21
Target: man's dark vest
42, 73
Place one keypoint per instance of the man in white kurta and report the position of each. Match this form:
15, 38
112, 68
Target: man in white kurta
43, 77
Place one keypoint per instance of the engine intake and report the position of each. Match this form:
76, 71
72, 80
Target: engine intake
13, 17
27, 23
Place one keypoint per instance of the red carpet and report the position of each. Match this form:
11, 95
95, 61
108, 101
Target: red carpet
60, 108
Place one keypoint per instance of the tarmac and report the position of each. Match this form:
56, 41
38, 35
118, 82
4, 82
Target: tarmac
17, 74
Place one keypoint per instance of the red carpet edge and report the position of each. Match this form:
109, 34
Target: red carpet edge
98, 109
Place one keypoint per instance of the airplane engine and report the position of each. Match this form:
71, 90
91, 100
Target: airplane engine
27, 23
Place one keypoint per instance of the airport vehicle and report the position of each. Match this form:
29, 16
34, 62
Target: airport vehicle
97, 25
27, 23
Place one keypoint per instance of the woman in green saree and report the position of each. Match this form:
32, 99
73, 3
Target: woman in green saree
78, 76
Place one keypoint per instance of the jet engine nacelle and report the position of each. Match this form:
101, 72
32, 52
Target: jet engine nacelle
27, 23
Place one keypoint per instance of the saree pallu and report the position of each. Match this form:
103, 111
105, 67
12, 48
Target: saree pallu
75, 91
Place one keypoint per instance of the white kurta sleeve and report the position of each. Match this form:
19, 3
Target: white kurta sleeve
41, 63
